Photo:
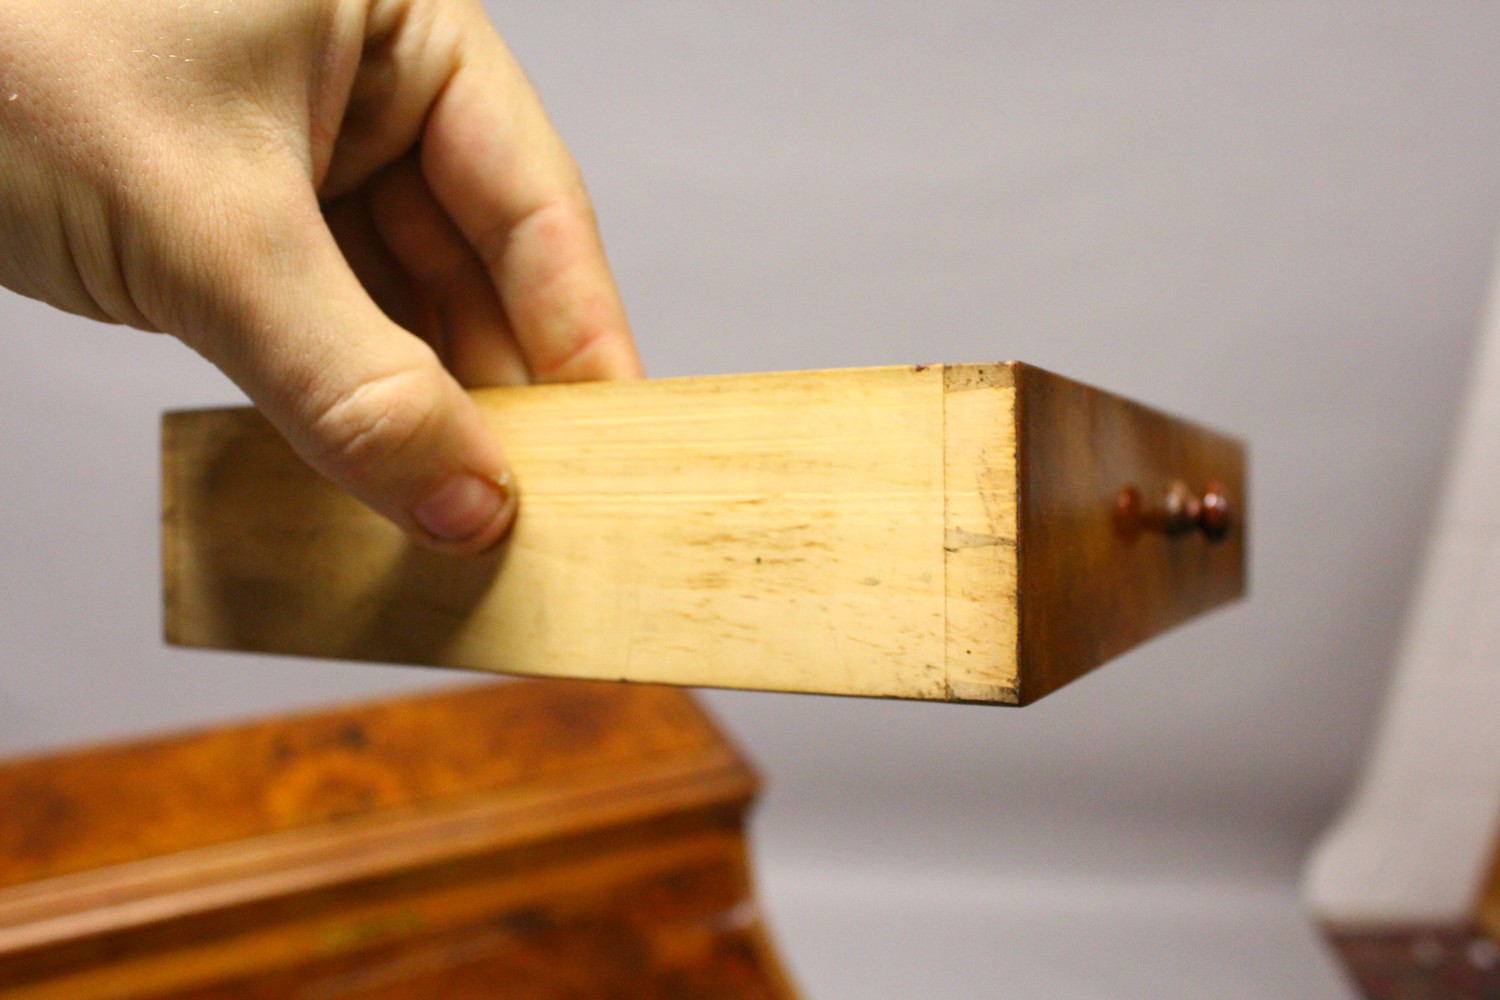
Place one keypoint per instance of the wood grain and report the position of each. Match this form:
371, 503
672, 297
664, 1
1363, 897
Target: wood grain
853, 532
556, 838
979, 536
96, 807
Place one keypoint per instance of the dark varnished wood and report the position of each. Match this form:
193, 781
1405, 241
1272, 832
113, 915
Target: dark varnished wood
1088, 589
1418, 962
1487, 909
528, 840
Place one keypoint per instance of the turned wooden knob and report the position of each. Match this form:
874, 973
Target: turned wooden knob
1179, 511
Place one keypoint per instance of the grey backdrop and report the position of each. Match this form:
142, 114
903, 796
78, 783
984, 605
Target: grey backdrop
1277, 218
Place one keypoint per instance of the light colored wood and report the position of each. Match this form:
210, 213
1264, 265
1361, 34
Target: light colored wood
847, 532
979, 540
939, 532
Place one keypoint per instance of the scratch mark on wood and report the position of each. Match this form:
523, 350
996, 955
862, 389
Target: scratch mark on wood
957, 539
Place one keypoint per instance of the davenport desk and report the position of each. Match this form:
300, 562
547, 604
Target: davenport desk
536, 840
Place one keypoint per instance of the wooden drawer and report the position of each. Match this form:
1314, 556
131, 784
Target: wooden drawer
942, 532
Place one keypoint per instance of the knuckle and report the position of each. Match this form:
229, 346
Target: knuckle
363, 433
572, 357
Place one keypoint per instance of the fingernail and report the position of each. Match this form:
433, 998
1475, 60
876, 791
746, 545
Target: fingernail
462, 508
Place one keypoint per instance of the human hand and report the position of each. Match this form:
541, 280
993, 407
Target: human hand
352, 207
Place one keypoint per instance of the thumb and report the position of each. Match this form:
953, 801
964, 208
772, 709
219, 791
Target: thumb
363, 401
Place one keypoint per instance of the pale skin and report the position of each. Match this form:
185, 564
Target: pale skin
354, 208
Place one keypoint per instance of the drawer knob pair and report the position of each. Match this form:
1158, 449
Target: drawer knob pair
1179, 511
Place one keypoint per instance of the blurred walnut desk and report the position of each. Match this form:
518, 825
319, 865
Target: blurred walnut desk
542, 839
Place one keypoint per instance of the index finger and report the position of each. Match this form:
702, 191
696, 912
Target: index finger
498, 168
